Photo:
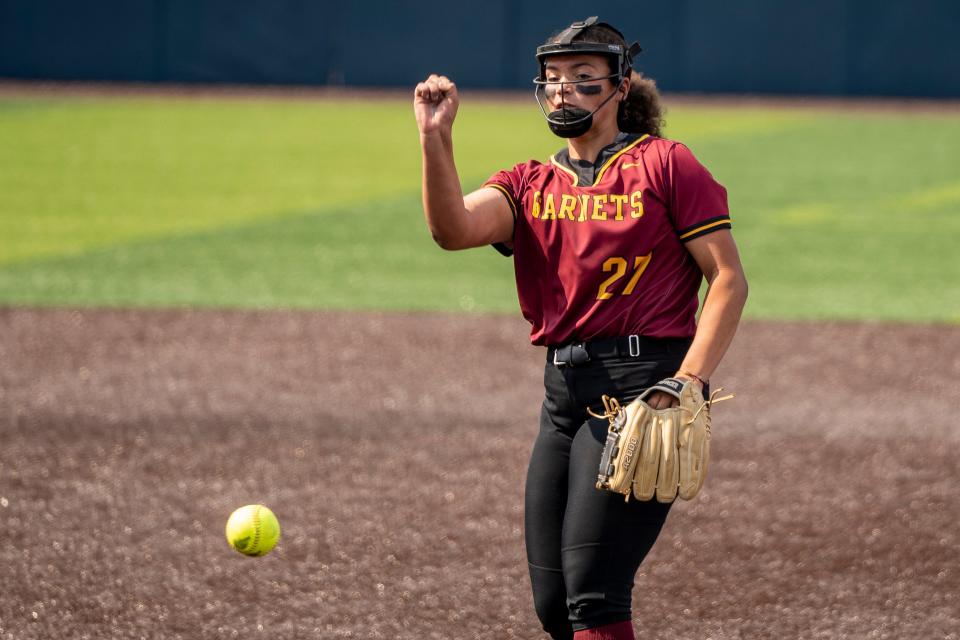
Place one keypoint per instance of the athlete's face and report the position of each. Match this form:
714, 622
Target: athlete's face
564, 69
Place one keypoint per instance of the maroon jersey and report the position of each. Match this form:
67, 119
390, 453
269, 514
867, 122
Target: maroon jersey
608, 258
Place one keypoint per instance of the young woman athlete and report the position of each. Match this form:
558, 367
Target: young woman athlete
610, 239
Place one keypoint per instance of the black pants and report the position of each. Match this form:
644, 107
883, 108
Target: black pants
584, 545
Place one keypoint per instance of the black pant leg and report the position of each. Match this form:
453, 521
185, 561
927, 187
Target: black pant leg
544, 506
545, 502
604, 538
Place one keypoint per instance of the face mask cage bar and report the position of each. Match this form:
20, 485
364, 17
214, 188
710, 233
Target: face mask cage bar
540, 93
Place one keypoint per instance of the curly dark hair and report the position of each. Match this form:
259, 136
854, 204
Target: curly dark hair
641, 112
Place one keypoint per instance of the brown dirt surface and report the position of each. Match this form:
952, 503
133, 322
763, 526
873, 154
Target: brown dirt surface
393, 450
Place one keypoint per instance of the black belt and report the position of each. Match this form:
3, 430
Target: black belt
578, 353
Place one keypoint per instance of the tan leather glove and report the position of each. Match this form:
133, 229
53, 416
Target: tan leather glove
657, 452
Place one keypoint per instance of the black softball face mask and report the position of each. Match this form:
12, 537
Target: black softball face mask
569, 121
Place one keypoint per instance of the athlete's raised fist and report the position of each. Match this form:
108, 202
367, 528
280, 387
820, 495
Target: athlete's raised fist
435, 103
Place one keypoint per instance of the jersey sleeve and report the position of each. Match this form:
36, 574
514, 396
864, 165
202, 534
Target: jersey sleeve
697, 202
509, 184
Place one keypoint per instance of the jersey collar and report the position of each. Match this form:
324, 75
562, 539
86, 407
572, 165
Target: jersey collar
585, 174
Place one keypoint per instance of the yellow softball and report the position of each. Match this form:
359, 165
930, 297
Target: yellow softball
253, 530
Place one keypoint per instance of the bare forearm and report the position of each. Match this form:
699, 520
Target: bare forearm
718, 323
442, 195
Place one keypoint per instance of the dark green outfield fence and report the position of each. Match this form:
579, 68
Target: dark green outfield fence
832, 47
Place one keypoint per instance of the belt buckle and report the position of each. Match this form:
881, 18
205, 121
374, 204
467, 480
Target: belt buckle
633, 341
556, 352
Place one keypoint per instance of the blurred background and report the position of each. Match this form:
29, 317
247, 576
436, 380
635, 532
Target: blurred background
817, 47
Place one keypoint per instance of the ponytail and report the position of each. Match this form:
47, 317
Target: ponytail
641, 112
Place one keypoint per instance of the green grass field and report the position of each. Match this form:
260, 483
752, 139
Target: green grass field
293, 203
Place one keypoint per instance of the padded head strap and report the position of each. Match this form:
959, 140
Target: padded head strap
568, 34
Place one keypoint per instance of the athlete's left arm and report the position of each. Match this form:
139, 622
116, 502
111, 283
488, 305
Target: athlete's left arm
716, 254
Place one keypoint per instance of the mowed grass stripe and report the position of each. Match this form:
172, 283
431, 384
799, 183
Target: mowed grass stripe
312, 260
93, 172
838, 215
848, 216
84, 173
305, 260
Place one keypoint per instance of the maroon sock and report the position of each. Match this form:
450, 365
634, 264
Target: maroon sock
615, 631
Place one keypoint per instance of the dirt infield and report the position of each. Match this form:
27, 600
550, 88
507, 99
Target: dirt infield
393, 449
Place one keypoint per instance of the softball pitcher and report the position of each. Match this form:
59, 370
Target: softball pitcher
610, 239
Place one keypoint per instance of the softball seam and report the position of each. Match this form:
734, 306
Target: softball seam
256, 532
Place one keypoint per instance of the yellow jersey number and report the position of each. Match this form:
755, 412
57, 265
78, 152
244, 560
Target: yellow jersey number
619, 267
